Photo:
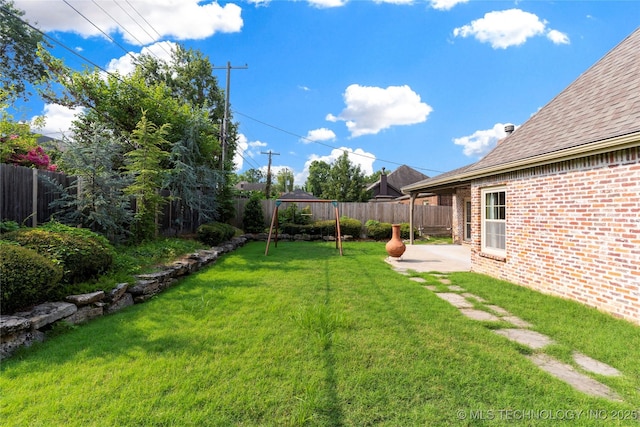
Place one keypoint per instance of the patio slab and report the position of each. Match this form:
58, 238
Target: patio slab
479, 315
441, 258
574, 378
526, 337
595, 366
455, 300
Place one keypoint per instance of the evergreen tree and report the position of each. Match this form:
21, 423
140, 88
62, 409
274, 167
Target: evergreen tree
144, 165
96, 200
253, 220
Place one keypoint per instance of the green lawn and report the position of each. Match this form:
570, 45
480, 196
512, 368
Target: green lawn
306, 337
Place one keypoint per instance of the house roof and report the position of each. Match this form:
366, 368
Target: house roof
251, 186
298, 194
599, 110
402, 176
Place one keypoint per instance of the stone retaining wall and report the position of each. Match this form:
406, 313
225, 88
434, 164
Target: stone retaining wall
24, 328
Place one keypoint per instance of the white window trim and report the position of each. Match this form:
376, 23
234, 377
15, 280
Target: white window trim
483, 212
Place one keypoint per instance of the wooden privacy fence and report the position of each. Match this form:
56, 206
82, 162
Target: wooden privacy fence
428, 218
25, 193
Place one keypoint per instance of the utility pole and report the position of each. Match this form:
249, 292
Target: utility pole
268, 189
225, 120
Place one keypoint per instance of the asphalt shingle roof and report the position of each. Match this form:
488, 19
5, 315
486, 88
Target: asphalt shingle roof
602, 103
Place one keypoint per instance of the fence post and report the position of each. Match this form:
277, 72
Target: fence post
34, 198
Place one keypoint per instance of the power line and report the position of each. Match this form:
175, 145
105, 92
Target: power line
100, 29
150, 26
138, 24
117, 23
329, 145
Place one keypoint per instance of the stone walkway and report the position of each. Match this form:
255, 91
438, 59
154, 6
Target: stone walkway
476, 308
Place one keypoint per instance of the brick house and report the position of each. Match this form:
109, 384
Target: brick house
555, 206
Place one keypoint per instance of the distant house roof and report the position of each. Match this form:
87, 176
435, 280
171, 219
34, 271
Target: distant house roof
404, 175
599, 111
250, 186
298, 194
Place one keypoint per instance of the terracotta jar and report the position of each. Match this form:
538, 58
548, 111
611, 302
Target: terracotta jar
395, 247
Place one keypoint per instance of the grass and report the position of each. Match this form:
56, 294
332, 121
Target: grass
306, 337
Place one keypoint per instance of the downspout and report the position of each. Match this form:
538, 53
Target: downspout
412, 202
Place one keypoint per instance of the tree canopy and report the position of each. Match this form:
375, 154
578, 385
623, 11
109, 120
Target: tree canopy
20, 65
342, 180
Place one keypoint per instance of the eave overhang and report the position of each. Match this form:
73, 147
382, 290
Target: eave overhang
449, 183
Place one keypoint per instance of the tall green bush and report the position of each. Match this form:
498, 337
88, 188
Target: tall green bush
253, 220
26, 277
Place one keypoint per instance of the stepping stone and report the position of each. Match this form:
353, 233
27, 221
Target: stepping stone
455, 300
531, 339
595, 366
569, 375
475, 297
516, 321
445, 281
455, 288
497, 309
418, 279
479, 315
431, 288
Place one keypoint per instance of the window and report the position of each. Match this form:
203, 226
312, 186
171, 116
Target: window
494, 224
467, 219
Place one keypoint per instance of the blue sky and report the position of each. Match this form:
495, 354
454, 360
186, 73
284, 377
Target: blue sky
429, 84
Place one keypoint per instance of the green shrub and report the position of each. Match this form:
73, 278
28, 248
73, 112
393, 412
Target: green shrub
253, 220
8, 226
350, 227
26, 277
215, 233
405, 231
80, 253
325, 227
379, 230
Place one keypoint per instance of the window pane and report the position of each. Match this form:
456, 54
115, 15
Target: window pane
495, 234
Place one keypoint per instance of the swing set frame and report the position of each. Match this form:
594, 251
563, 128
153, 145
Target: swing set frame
274, 221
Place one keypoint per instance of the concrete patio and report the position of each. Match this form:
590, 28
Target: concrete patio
436, 258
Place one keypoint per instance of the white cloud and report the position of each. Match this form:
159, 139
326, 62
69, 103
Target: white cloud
124, 65
181, 20
57, 120
325, 4
506, 28
357, 157
322, 134
445, 4
395, 1
244, 149
481, 142
372, 109
557, 37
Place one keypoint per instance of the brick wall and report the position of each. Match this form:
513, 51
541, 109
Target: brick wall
573, 230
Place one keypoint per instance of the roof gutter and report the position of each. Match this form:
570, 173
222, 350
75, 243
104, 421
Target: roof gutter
599, 147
